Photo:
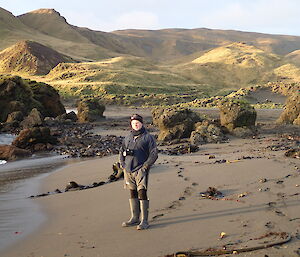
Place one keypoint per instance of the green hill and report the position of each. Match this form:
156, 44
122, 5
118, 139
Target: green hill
168, 63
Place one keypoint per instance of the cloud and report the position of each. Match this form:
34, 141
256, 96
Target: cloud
262, 15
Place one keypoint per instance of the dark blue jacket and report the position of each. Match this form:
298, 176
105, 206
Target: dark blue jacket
144, 152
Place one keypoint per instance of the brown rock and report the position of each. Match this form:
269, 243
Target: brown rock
174, 123
28, 138
10, 152
15, 117
292, 111
34, 119
206, 132
235, 113
90, 110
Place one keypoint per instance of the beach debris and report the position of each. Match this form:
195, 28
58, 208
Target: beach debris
211, 192
243, 195
117, 172
221, 161
222, 235
293, 153
284, 237
263, 180
232, 161
157, 216
180, 149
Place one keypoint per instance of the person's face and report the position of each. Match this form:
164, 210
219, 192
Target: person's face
136, 125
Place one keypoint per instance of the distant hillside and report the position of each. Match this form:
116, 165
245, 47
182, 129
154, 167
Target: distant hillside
294, 57
50, 22
233, 66
48, 27
29, 57
119, 75
134, 64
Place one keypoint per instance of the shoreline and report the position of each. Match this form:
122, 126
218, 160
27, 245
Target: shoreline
19, 215
88, 222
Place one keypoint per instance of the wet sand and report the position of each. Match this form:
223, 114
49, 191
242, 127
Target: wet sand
261, 194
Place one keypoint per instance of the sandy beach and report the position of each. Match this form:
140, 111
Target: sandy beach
261, 189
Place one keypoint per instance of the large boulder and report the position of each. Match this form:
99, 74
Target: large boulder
14, 117
38, 138
174, 123
48, 97
34, 119
237, 114
18, 95
207, 132
90, 110
10, 152
291, 114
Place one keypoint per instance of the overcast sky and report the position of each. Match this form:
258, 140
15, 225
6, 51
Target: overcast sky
267, 16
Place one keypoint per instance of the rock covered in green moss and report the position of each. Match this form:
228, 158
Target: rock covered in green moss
174, 123
19, 95
48, 97
291, 114
236, 113
90, 109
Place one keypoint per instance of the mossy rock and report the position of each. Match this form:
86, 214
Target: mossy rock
292, 110
174, 123
90, 110
236, 113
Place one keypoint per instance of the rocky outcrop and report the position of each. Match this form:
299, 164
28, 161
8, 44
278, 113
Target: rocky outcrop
291, 114
174, 123
207, 132
238, 117
10, 152
34, 119
18, 95
35, 139
90, 110
48, 97
67, 116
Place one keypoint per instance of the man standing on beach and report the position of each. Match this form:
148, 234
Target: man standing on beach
137, 154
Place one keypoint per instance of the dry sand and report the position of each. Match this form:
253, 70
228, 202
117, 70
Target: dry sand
88, 222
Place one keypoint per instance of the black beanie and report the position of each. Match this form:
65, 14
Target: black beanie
136, 117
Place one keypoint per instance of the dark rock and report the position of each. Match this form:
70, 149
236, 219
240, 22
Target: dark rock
34, 119
174, 123
15, 117
68, 116
48, 97
72, 185
244, 132
90, 110
28, 138
10, 152
206, 132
